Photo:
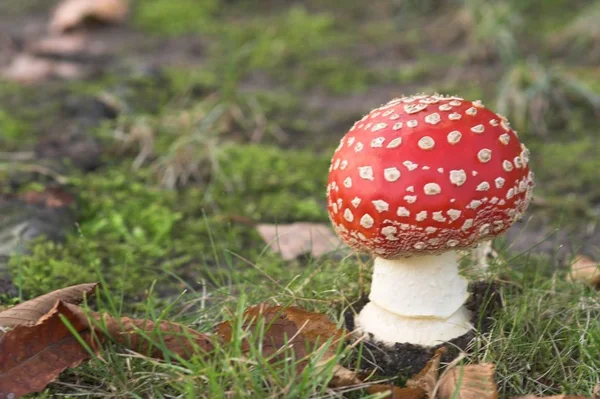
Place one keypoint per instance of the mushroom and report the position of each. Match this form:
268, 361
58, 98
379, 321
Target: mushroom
411, 183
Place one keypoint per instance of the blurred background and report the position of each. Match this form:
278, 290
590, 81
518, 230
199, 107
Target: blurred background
173, 122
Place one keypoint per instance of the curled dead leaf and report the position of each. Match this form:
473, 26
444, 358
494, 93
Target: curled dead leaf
50, 197
71, 13
286, 328
293, 240
473, 381
586, 270
29, 69
427, 378
550, 397
397, 392
29, 312
32, 356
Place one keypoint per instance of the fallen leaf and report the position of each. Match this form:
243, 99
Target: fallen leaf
29, 69
397, 392
50, 197
28, 313
473, 381
586, 270
342, 377
293, 240
72, 13
32, 356
64, 45
596, 392
550, 397
427, 378
286, 328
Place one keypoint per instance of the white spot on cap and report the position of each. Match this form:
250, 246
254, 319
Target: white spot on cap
355, 202
475, 204
391, 174
453, 213
494, 122
414, 108
455, 103
394, 117
388, 112
358, 147
478, 129
410, 189
421, 216
432, 189
440, 170
426, 143
484, 155
438, 217
445, 107
379, 126
348, 182
504, 138
518, 162
419, 245
433, 119
499, 182
366, 172
474, 173
454, 137
343, 165
430, 229
425, 168
483, 186
409, 165
467, 224
484, 230
510, 193
378, 142
507, 165
403, 212
458, 177
471, 111
395, 142
334, 206
397, 126
412, 123
454, 116
452, 243
348, 215
381, 205
477, 103
366, 221
351, 141
411, 199
336, 164
389, 230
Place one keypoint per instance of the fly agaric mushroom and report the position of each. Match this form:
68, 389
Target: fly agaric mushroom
412, 182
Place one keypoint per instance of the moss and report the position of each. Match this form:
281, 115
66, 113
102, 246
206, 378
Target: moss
131, 233
175, 18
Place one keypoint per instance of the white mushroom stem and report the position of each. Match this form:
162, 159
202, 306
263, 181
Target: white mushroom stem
417, 300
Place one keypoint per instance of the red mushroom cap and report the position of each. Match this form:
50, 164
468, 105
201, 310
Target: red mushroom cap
427, 174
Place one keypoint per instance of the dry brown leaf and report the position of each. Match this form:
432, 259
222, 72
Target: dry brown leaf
29, 69
397, 392
71, 13
50, 197
550, 397
28, 313
342, 377
32, 356
293, 240
596, 392
427, 378
288, 327
473, 381
586, 270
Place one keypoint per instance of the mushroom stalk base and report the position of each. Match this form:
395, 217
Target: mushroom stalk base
416, 300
